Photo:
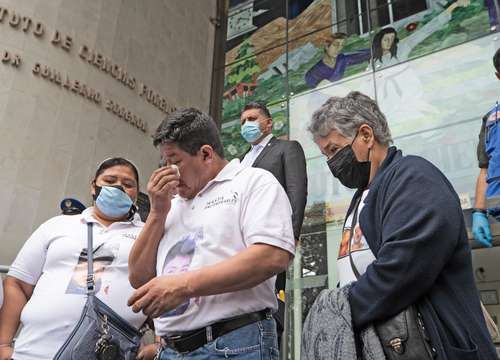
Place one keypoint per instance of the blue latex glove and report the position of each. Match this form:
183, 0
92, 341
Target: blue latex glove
481, 229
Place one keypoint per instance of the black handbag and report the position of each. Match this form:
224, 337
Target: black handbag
100, 334
403, 336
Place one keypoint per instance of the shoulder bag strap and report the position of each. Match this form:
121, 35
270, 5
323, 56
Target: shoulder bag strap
90, 260
353, 226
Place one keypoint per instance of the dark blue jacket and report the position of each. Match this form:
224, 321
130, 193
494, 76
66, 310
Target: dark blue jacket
414, 225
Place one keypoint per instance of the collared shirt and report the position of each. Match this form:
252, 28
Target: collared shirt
54, 259
238, 208
255, 151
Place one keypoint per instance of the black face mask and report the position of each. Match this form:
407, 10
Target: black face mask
351, 173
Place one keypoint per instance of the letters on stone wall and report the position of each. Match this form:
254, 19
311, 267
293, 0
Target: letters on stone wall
91, 56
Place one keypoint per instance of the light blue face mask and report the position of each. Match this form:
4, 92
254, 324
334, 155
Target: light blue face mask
113, 201
251, 131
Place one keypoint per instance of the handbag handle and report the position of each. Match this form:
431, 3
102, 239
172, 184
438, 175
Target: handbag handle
353, 226
90, 260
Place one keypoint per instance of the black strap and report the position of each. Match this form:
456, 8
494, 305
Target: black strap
353, 226
90, 260
192, 340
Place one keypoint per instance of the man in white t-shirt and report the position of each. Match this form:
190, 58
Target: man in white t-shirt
205, 263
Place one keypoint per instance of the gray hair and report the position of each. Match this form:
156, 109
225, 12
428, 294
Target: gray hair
346, 114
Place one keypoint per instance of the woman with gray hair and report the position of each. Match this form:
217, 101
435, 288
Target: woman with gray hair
404, 241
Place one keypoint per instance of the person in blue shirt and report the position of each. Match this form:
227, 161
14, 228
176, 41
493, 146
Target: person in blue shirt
488, 181
334, 63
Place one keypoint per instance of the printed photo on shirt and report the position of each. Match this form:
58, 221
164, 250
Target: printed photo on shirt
178, 260
104, 255
358, 241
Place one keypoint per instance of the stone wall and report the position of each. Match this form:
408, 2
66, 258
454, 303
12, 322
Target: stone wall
81, 81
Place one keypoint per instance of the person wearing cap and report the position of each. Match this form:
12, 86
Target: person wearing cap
213, 295
45, 287
71, 206
488, 180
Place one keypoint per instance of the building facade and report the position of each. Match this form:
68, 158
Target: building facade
82, 81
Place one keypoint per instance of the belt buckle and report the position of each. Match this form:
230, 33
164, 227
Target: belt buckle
171, 342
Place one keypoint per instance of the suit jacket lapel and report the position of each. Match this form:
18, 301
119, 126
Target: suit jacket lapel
265, 151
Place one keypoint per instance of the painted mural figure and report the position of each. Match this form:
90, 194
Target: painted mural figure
401, 85
389, 50
334, 63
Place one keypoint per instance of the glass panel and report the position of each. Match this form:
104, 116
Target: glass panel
443, 88
433, 101
326, 56
234, 145
452, 149
411, 33
305, 17
258, 78
434, 106
261, 23
303, 105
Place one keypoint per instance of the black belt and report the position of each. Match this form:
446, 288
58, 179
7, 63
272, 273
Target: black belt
192, 340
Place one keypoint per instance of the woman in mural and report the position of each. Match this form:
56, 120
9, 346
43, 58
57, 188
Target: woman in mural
388, 49
334, 63
45, 288
400, 91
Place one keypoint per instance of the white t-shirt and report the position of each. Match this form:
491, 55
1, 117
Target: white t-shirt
240, 207
361, 253
54, 259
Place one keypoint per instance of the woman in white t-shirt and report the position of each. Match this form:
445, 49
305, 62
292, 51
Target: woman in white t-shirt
45, 290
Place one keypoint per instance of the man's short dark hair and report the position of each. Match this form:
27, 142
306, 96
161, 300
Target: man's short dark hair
496, 60
189, 129
255, 105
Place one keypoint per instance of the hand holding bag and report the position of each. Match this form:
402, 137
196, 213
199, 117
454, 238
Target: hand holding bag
402, 336
100, 334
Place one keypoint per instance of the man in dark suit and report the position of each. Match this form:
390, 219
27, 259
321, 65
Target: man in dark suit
286, 161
